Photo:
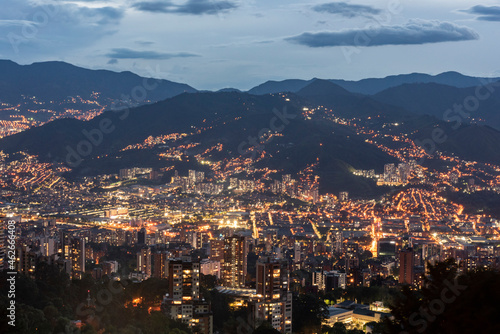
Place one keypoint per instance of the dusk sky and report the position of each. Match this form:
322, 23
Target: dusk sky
212, 44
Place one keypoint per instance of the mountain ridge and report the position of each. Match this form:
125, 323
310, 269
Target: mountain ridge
371, 86
479, 104
56, 80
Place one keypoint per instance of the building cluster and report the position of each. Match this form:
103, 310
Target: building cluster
241, 185
259, 249
54, 246
255, 254
370, 173
32, 111
306, 190
228, 260
194, 183
136, 172
397, 175
183, 300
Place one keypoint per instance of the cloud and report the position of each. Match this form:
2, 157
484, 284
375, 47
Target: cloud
144, 43
413, 32
485, 13
192, 7
18, 23
153, 6
34, 28
112, 61
123, 53
108, 15
347, 10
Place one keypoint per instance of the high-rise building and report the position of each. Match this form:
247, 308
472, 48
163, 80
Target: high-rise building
192, 176
72, 250
343, 196
334, 280
404, 171
216, 252
126, 173
269, 282
274, 302
109, 267
184, 280
26, 260
160, 264
386, 247
337, 239
234, 268
144, 261
351, 256
318, 279
198, 239
65, 244
48, 246
389, 172
406, 266
200, 176
141, 236
183, 300
210, 267
78, 256
297, 253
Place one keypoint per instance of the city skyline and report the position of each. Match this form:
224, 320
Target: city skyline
221, 166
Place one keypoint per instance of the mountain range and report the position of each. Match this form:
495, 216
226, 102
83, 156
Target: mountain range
229, 119
375, 85
55, 81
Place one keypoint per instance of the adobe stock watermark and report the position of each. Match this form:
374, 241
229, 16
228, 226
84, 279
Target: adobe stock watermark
456, 115
31, 26
435, 307
11, 273
277, 124
95, 137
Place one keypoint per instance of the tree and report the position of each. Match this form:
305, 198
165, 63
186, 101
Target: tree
208, 281
448, 303
265, 328
337, 328
308, 312
220, 308
355, 331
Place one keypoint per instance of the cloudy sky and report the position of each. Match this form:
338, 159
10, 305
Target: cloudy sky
212, 44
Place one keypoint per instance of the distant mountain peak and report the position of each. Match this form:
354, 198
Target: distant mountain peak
229, 89
322, 87
272, 86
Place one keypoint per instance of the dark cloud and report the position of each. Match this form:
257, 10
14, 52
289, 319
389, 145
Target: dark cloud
154, 6
347, 10
60, 13
413, 32
107, 15
193, 7
112, 61
30, 27
122, 53
485, 13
